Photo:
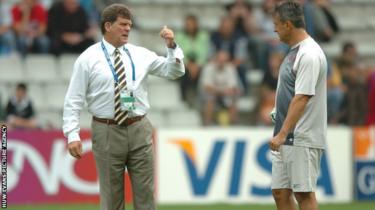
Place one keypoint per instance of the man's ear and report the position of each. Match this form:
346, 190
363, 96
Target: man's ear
107, 26
289, 24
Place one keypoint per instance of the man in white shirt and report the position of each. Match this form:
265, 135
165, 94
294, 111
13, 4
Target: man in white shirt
111, 77
301, 113
219, 87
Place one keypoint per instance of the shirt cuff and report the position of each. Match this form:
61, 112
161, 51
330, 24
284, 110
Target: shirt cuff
73, 137
175, 53
306, 93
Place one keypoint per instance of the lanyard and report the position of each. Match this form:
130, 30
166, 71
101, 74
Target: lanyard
131, 61
113, 68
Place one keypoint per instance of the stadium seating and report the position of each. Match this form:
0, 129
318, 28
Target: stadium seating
56, 94
65, 65
41, 68
184, 118
38, 94
12, 69
164, 95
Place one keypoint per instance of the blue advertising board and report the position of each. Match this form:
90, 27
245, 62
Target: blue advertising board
365, 180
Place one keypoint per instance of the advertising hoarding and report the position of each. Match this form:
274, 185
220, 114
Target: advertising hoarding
40, 170
234, 165
364, 162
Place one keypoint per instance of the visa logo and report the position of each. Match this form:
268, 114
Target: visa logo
200, 181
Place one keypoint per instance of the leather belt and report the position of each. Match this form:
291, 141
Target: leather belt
127, 122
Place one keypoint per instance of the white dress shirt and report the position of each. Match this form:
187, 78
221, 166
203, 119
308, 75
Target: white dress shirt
92, 81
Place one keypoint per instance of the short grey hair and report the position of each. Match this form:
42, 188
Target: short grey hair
290, 11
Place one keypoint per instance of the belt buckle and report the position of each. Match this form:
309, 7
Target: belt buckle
128, 121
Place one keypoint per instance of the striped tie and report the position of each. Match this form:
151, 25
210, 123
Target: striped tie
120, 116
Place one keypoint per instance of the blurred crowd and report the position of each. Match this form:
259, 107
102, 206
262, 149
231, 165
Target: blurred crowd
27, 26
217, 62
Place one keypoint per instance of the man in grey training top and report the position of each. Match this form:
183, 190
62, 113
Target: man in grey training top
301, 113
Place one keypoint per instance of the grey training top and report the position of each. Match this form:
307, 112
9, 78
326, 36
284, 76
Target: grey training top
304, 71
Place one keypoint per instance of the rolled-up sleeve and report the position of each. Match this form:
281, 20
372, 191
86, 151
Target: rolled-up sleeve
171, 67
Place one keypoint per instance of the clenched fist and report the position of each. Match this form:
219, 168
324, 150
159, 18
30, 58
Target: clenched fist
168, 35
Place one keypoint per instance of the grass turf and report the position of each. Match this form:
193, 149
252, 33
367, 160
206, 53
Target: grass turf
348, 206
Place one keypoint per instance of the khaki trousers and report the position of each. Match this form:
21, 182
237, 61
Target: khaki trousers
115, 147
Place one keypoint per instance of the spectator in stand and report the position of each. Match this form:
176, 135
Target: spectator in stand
265, 27
335, 93
19, 111
194, 42
355, 102
225, 39
349, 54
6, 34
263, 36
239, 11
358, 81
92, 12
325, 6
320, 21
268, 87
219, 88
247, 28
69, 28
29, 24
348, 102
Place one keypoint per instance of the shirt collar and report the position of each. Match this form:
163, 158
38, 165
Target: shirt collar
299, 43
110, 48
